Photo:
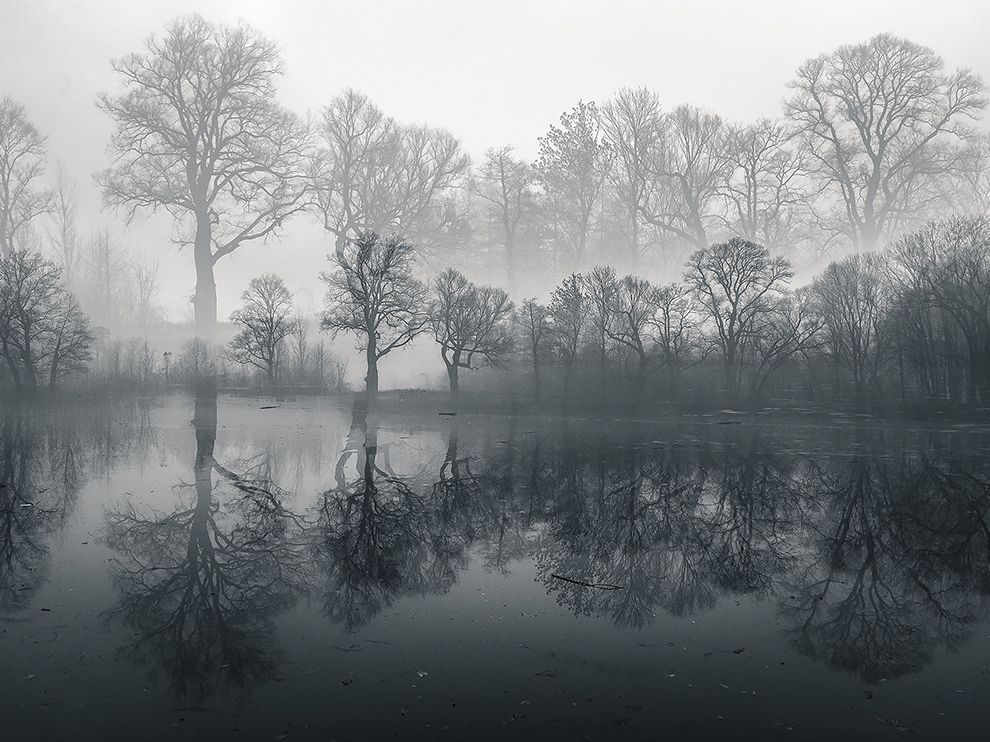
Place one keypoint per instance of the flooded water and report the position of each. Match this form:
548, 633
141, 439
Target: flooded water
212, 569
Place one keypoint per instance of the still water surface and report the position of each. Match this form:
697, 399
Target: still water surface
210, 569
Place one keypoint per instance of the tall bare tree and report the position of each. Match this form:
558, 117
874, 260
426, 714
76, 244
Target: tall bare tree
199, 134
22, 163
686, 172
373, 173
373, 294
574, 162
883, 123
533, 320
766, 189
506, 185
633, 124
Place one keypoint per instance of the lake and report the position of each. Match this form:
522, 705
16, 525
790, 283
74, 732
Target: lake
229, 568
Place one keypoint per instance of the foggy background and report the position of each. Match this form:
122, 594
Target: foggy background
491, 73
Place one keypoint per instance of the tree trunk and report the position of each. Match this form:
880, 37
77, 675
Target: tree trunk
205, 298
371, 380
455, 390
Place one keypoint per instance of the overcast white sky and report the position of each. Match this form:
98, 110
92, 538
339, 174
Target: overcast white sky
494, 72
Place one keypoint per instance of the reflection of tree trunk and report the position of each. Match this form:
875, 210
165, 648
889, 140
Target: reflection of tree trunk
205, 423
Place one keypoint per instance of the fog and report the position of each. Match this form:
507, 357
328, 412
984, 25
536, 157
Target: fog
492, 74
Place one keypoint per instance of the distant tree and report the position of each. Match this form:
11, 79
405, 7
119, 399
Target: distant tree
533, 321
145, 278
675, 329
199, 134
65, 234
601, 288
43, 334
569, 306
883, 124
22, 163
854, 300
372, 293
574, 162
735, 282
71, 341
470, 323
634, 314
686, 171
506, 185
633, 124
373, 174
105, 285
766, 187
266, 320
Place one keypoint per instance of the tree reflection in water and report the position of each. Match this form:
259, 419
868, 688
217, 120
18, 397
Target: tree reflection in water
46, 455
200, 586
875, 559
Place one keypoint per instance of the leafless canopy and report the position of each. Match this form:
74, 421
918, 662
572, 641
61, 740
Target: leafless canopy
22, 163
199, 134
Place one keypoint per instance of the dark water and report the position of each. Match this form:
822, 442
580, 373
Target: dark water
171, 570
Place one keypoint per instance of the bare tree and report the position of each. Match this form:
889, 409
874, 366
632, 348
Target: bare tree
533, 320
266, 320
686, 172
766, 188
199, 134
22, 162
145, 277
104, 285
65, 234
506, 184
675, 330
373, 294
883, 123
601, 289
375, 174
854, 301
634, 313
42, 331
949, 260
470, 323
633, 124
574, 162
569, 306
734, 282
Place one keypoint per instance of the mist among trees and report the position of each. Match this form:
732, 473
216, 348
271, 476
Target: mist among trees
836, 250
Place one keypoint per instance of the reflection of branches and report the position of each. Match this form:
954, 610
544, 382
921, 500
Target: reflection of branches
673, 534
886, 589
201, 585
43, 452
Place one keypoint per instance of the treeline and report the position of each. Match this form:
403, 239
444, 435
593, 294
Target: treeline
908, 322
874, 139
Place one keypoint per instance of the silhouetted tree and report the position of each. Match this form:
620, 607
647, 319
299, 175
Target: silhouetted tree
266, 320
736, 283
373, 294
22, 162
470, 323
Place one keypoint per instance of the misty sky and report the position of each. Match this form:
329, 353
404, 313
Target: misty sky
497, 72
